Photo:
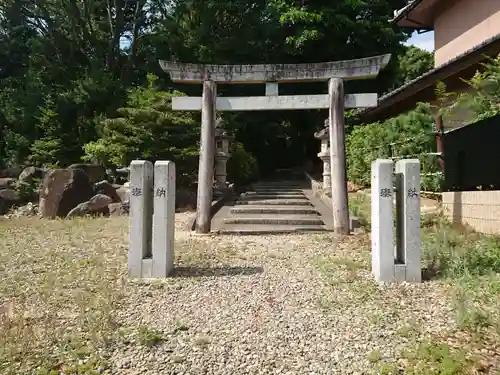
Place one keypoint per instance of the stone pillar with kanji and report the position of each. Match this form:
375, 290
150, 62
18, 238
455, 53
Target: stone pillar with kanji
222, 154
324, 154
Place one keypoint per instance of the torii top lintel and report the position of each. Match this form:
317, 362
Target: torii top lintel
348, 69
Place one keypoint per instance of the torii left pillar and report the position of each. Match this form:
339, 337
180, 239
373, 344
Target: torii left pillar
206, 159
337, 157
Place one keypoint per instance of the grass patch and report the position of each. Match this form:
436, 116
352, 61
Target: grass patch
63, 280
430, 359
477, 305
338, 270
346, 277
454, 252
62, 284
470, 263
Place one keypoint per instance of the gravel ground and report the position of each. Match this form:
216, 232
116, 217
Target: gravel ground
287, 304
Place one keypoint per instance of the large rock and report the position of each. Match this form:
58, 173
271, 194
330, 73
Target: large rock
104, 187
53, 186
123, 172
110, 175
30, 173
8, 199
76, 191
119, 209
7, 182
95, 172
13, 172
120, 175
98, 204
124, 193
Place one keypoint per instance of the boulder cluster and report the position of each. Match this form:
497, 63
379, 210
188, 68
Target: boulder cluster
79, 190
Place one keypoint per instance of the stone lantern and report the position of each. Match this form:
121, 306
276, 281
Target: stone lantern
324, 136
222, 139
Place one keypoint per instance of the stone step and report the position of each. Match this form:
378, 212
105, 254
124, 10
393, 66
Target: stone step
274, 209
254, 197
261, 229
274, 202
267, 192
276, 189
280, 181
296, 185
275, 220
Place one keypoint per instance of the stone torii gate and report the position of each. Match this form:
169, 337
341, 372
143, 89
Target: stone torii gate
333, 72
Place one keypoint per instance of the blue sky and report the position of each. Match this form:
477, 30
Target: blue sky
424, 41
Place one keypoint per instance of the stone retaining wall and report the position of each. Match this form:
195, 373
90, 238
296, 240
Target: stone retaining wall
478, 209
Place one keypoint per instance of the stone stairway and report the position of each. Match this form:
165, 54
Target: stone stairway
273, 206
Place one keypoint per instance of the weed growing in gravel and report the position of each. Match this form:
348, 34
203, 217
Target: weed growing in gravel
149, 336
377, 318
406, 331
375, 356
325, 303
179, 326
202, 340
125, 335
429, 359
436, 358
178, 359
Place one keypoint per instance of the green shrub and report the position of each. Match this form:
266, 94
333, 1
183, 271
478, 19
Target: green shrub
411, 135
28, 190
242, 167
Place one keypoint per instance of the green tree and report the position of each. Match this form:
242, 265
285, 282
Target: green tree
484, 98
147, 128
412, 64
65, 64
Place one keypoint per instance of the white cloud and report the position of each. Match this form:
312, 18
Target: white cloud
424, 41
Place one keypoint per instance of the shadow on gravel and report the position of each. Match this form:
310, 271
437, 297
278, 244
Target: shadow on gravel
215, 271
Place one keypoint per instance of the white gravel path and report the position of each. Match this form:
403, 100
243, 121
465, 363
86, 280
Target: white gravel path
287, 304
